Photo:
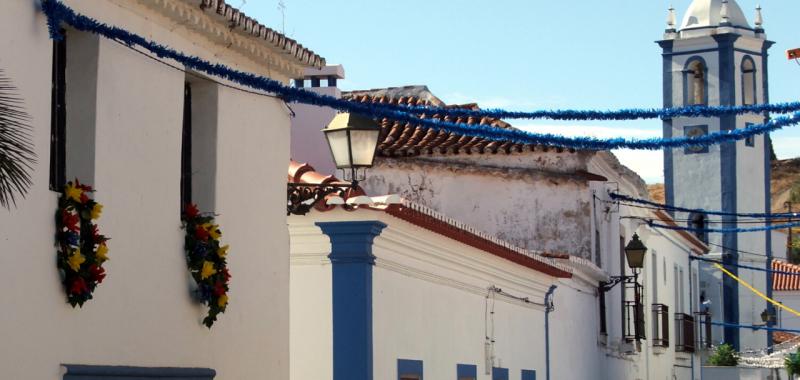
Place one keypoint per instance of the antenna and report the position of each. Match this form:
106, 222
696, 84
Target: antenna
282, 9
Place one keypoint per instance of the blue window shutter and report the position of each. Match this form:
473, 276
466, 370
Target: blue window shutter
528, 374
99, 372
499, 373
466, 371
409, 368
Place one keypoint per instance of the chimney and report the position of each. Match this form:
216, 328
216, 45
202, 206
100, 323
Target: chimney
308, 143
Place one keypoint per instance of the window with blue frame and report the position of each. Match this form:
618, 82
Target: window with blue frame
528, 374
750, 141
409, 369
466, 372
499, 373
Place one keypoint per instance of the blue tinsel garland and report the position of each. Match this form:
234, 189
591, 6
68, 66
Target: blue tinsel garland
752, 327
743, 266
625, 198
726, 230
57, 13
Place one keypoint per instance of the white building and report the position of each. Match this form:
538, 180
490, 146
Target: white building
716, 58
400, 291
124, 116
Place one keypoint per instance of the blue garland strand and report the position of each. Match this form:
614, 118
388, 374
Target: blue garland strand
733, 230
744, 266
625, 198
58, 13
751, 327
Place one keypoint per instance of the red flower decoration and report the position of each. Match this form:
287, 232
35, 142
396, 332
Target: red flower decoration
201, 233
78, 286
96, 273
96, 234
191, 211
219, 289
84, 198
82, 186
69, 220
226, 274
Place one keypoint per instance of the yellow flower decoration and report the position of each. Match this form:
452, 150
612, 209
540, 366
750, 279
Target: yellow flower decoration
214, 232
223, 251
73, 192
223, 300
75, 260
96, 211
102, 252
208, 270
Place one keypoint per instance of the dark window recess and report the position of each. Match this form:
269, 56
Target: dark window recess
660, 325
58, 116
186, 148
684, 333
699, 223
98, 372
603, 327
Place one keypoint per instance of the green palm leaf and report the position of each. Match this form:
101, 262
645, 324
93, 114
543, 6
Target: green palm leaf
16, 149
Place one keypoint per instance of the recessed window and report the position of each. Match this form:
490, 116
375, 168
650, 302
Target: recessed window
748, 81
749, 141
528, 374
58, 115
466, 372
409, 369
695, 131
499, 373
699, 223
199, 143
695, 83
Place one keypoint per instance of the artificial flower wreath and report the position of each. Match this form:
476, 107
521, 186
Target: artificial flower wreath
82, 250
206, 260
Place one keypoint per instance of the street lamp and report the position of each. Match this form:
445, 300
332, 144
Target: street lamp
634, 252
353, 140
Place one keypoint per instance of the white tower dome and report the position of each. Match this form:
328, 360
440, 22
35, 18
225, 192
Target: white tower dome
710, 13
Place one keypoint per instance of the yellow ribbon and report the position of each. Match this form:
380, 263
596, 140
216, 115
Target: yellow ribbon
754, 290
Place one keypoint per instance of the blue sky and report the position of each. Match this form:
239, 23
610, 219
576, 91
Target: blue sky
522, 54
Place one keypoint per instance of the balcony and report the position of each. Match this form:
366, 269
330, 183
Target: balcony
660, 335
684, 333
634, 321
703, 330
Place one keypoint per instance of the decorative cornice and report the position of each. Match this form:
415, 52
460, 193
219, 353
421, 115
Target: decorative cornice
226, 26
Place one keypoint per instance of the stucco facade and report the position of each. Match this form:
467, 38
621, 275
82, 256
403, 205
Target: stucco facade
124, 133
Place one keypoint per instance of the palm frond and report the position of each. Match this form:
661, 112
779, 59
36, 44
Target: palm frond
16, 148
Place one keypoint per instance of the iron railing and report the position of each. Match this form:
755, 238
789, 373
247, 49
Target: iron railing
684, 333
703, 324
660, 323
634, 321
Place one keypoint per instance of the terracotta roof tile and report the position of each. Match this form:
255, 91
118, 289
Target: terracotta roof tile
402, 139
237, 19
781, 281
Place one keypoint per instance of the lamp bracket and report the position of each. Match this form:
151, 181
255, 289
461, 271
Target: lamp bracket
614, 280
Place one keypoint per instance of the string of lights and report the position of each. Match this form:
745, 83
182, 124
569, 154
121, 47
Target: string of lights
696, 258
58, 13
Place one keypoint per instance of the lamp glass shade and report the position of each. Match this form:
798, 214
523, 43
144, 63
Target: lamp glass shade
353, 140
340, 147
634, 252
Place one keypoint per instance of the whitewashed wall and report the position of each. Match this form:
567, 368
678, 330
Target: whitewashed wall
527, 199
142, 314
429, 299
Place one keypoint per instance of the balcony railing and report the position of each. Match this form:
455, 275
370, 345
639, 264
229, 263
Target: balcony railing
703, 328
684, 333
660, 335
634, 321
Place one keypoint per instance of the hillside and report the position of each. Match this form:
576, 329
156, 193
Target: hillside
785, 175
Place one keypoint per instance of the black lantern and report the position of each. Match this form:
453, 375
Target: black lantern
353, 140
634, 252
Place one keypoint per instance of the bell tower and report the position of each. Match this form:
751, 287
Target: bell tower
716, 58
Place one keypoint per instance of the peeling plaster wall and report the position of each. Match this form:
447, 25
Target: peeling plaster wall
529, 199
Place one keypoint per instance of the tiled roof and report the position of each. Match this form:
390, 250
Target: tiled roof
237, 19
401, 139
783, 337
431, 220
781, 281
